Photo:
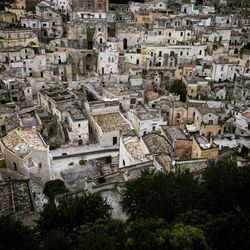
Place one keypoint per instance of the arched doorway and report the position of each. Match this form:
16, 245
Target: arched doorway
89, 62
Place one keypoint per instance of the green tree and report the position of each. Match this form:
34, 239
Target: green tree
57, 239
188, 238
220, 186
73, 212
15, 236
179, 88
53, 188
105, 234
229, 231
143, 234
196, 218
162, 195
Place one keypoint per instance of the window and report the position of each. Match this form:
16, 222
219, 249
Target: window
222, 68
99, 29
200, 52
79, 125
40, 165
181, 53
133, 101
115, 140
160, 53
159, 32
15, 166
153, 128
89, 5
181, 33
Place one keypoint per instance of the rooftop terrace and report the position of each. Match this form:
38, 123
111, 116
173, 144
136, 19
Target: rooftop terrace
112, 122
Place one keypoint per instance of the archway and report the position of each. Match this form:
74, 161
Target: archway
89, 62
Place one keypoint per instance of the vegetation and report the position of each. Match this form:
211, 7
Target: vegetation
166, 211
53, 188
15, 236
73, 212
179, 88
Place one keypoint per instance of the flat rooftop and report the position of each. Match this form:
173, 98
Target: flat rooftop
134, 148
112, 122
58, 94
158, 144
77, 115
147, 114
173, 132
22, 142
118, 91
204, 143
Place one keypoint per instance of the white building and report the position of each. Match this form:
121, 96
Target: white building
108, 62
107, 123
26, 152
63, 5
242, 123
77, 126
145, 121
223, 71
131, 151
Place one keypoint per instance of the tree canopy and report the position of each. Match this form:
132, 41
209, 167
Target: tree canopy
53, 188
171, 211
162, 195
15, 236
179, 88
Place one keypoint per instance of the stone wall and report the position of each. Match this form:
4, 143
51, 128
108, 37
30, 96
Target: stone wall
15, 197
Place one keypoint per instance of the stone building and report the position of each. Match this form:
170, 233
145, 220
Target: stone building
145, 120
202, 148
107, 123
91, 8
26, 152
